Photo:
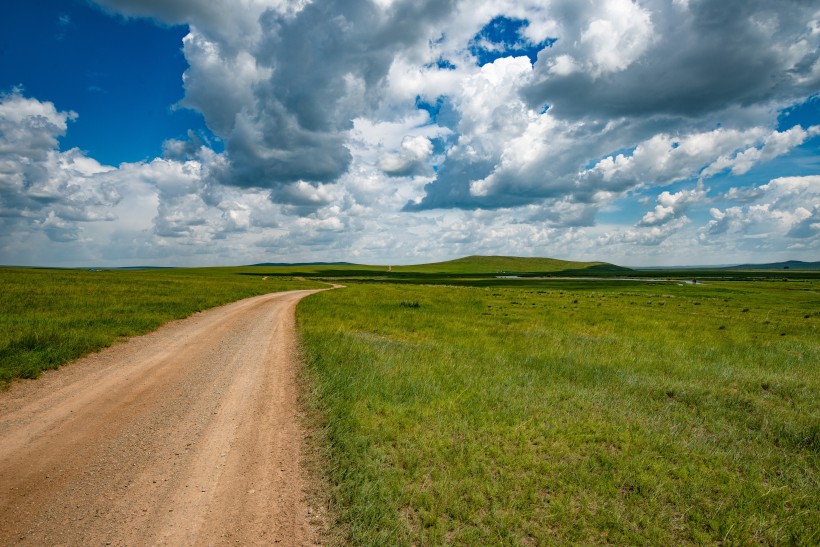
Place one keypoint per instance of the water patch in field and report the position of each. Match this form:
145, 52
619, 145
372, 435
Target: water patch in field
646, 279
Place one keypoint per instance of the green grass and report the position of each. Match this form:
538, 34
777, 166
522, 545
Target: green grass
569, 412
478, 265
52, 316
511, 411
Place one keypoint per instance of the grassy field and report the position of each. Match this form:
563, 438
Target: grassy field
473, 266
556, 412
52, 316
456, 408
479, 265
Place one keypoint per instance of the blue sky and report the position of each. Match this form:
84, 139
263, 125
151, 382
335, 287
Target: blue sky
186, 132
122, 76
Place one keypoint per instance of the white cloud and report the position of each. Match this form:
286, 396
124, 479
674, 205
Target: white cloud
329, 149
620, 75
30, 128
618, 35
649, 235
41, 186
672, 206
664, 159
785, 209
772, 145
410, 160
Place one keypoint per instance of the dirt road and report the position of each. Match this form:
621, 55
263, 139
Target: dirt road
189, 435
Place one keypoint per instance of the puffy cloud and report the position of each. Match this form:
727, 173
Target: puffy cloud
285, 99
787, 209
67, 195
399, 128
233, 22
775, 144
672, 206
41, 186
30, 128
650, 235
492, 115
699, 60
410, 160
664, 159
285, 83
617, 36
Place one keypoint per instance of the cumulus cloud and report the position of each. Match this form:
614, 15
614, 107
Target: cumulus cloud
699, 60
410, 160
772, 145
371, 127
672, 206
284, 83
41, 186
66, 195
785, 209
285, 99
617, 36
650, 236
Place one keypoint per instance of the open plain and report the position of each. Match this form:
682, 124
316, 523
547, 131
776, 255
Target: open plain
482, 401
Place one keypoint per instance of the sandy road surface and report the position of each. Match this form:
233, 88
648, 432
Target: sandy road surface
185, 436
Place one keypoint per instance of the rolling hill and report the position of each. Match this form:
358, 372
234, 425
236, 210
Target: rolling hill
482, 266
291, 264
787, 265
501, 265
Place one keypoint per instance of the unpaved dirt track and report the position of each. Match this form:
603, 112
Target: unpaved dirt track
189, 435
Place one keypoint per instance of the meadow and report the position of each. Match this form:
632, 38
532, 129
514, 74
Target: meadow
452, 407
526, 412
52, 316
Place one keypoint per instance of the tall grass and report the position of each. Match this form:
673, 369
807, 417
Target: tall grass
48, 317
569, 413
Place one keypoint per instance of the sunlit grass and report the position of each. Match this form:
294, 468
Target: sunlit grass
48, 317
570, 412
506, 265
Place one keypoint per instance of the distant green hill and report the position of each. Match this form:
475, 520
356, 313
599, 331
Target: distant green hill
513, 265
470, 265
788, 265
290, 264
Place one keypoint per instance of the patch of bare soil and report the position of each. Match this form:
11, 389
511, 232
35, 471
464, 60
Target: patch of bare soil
189, 435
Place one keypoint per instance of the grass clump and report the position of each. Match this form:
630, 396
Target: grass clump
52, 316
569, 412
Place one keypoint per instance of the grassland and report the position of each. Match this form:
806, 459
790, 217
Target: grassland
530, 412
500, 265
52, 316
470, 266
457, 408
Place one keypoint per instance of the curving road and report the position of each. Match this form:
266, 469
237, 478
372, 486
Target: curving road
189, 435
